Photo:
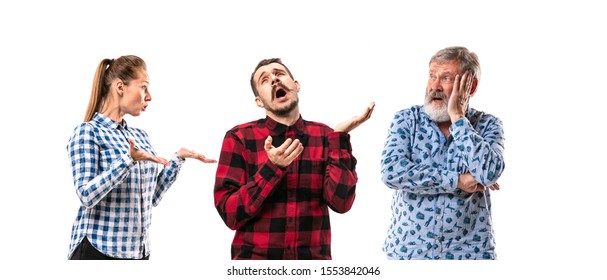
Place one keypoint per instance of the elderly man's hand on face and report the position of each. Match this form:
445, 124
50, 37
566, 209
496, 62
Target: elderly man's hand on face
460, 96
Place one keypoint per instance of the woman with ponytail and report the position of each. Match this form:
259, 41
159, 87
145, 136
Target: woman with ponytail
116, 171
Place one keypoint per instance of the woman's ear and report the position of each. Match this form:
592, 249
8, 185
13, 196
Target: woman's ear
119, 86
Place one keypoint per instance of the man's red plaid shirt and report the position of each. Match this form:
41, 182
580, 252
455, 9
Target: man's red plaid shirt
283, 213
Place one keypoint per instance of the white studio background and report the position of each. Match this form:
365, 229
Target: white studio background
542, 74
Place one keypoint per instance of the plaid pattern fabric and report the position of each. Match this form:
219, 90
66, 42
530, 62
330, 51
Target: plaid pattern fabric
283, 214
117, 193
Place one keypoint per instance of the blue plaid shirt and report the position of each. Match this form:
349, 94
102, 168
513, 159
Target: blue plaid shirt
431, 218
117, 193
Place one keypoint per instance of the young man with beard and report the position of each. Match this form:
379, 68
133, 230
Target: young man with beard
277, 177
442, 159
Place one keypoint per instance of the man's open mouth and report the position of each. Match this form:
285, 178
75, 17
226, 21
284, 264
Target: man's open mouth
280, 93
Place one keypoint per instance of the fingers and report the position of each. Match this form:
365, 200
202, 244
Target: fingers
285, 153
202, 158
468, 88
469, 81
467, 183
460, 94
464, 88
150, 157
461, 82
479, 188
133, 151
161, 161
268, 144
282, 148
291, 153
293, 150
132, 143
354, 122
186, 153
145, 156
372, 105
290, 148
455, 93
208, 160
366, 114
368, 111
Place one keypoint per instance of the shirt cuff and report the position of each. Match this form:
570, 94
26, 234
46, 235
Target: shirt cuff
178, 160
268, 177
127, 160
458, 128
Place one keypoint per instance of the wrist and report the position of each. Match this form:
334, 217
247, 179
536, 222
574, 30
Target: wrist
455, 118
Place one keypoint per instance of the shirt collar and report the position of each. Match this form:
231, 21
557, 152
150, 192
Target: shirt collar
107, 121
277, 129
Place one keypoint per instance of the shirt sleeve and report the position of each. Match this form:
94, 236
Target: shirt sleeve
340, 178
239, 197
398, 169
91, 184
167, 177
482, 152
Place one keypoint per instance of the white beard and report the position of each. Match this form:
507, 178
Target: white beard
437, 112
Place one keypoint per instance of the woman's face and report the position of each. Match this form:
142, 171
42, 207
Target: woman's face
136, 95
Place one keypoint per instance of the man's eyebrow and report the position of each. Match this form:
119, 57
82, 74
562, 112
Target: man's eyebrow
261, 74
273, 69
447, 72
